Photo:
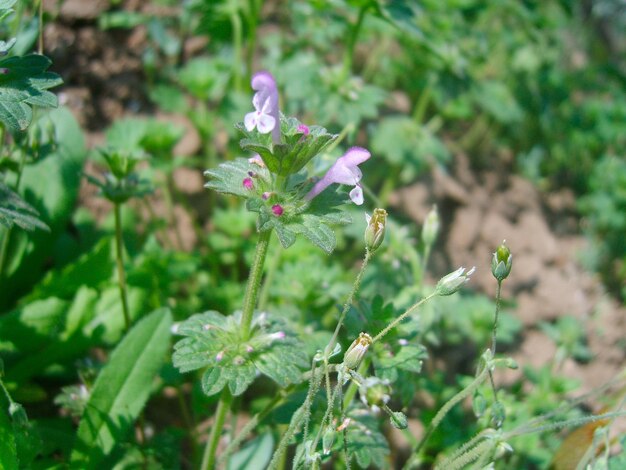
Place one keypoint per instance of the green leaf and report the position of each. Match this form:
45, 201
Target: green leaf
23, 86
296, 150
213, 341
15, 211
255, 455
228, 177
366, 443
6, 4
8, 450
122, 389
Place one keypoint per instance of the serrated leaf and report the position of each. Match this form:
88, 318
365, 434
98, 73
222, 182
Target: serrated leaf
23, 85
214, 341
228, 177
122, 389
16, 211
408, 357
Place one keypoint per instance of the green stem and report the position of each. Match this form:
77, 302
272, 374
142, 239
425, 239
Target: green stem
119, 255
249, 302
467, 391
423, 100
348, 56
254, 283
269, 278
494, 334
348, 304
395, 323
3, 250
208, 459
249, 427
353, 387
235, 21
253, 21
40, 41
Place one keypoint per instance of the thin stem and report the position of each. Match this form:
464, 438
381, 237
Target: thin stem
395, 323
353, 387
254, 283
3, 250
346, 307
208, 459
443, 411
348, 57
423, 100
327, 415
40, 42
119, 255
235, 21
249, 427
493, 344
253, 20
269, 278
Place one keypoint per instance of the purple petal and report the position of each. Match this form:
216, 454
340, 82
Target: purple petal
344, 174
357, 195
355, 156
250, 121
265, 123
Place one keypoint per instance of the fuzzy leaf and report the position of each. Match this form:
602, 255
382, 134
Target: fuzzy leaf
23, 86
214, 341
122, 389
228, 177
296, 150
16, 211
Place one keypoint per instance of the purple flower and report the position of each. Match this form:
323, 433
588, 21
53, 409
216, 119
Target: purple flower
265, 115
303, 129
248, 183
345, 171
278, 210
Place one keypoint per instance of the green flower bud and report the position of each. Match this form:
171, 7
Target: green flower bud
120, 162
479, 404
328, 439
430, 230
398, 420
375, 231
375, 392
452, 282
501, 262
355, 353
498, 413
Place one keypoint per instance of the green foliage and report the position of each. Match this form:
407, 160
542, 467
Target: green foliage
24, 85
122, 389
365, 442
15, 211
214, 341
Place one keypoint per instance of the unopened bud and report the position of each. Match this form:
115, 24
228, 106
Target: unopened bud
328, 439
398, 420
498, 413
452, 282
375, 230
375, 392
479, 404
501, 449
355, 353
501, 263
430, 230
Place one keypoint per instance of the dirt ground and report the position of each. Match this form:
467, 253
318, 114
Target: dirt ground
104, 81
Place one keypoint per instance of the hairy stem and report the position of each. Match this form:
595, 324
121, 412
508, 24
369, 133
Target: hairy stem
254, 283
395, 323
346, 306
119, 256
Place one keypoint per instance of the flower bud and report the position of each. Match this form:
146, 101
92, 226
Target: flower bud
355, 353
430, 230
498, 413
375, 231
479, 404
277, 210
375, 392
452, 282
501, 262
398, 420
328, 439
